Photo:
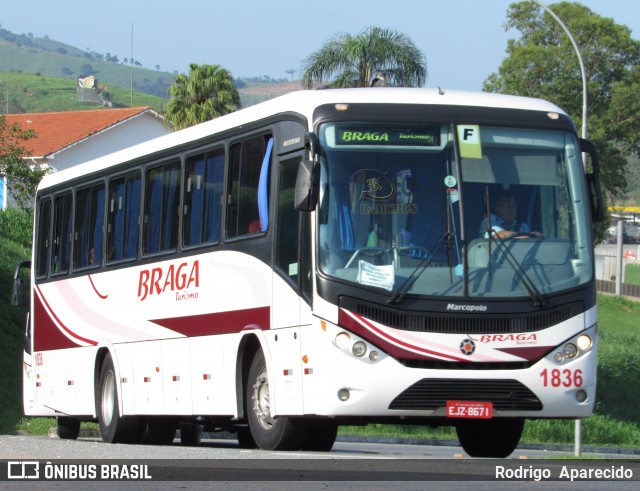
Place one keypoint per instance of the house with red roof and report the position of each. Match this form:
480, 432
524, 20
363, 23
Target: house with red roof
65, 139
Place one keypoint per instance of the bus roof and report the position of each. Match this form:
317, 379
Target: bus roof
303, 102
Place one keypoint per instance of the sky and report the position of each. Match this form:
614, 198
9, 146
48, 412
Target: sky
464, 41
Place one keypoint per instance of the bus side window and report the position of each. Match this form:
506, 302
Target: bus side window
89, 219
248, 202
162, 203
61, 250
203, 198
286, 248
42, 240
123, 218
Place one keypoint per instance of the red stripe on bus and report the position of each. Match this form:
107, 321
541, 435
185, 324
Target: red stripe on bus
530, 353
218, 322
363, 328
103, 297
54, 322
46, 335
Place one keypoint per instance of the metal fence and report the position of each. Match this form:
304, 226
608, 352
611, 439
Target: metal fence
608, 269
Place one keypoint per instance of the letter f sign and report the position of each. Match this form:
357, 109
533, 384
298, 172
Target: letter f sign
469, 139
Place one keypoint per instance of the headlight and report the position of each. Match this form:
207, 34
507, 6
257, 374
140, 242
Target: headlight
342, 340
569, 350
584, 342
359, 349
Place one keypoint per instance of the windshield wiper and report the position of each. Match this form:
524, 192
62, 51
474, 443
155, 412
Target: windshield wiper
419, 269
529, 285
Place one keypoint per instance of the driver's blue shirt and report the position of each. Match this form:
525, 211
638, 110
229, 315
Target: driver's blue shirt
498, 225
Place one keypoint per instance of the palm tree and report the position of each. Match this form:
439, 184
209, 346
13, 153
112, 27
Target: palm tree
353, 61
206, 93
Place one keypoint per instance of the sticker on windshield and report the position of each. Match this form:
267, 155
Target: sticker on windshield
450, 181
469, 141
373, 275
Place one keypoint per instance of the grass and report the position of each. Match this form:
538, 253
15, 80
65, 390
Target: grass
616, 420
632, 274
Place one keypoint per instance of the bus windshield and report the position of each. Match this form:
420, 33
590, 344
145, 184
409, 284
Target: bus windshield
446, 210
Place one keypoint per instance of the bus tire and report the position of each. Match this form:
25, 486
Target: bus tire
492, 438
113, 427
322, 436
269, 433
68, 428
245, 439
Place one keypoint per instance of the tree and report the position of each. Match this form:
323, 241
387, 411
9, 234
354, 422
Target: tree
206, 93
543, 63
353, 61
22, 177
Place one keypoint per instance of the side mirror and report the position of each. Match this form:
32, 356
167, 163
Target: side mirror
307, 185
17, 291
593, 181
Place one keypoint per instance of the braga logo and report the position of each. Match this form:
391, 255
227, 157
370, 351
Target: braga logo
467, 347
174, 278
364, 136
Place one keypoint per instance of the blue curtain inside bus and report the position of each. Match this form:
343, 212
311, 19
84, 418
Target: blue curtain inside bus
132, 216
118, 211
98, 235
213, 197
205, 191
263, 188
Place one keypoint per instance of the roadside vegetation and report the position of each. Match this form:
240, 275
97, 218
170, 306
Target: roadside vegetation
632, 274
15, 243
616, 421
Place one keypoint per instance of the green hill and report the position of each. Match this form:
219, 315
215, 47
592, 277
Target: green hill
43, 56
58, 67
21, 93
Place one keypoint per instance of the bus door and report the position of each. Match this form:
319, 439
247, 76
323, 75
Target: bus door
291, 275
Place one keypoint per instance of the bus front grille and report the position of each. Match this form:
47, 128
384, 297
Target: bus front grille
430, 394
449, 323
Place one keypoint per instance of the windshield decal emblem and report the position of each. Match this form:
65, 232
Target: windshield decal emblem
378, 185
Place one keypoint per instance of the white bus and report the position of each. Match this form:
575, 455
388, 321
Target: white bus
325, 258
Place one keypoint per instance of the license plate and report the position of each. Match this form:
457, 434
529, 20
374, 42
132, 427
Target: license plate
469, 409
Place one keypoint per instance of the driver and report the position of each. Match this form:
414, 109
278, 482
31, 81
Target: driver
504, 221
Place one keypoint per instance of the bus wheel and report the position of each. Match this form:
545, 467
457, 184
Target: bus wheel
269, 433
493, 438
114, 428
68, 428
245, 439
322, 436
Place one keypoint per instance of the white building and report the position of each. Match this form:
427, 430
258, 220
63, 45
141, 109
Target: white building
65, 139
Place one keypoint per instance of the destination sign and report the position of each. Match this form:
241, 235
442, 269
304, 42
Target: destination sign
387, 136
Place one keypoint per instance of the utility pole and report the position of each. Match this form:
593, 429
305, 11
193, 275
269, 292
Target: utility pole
578, 425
